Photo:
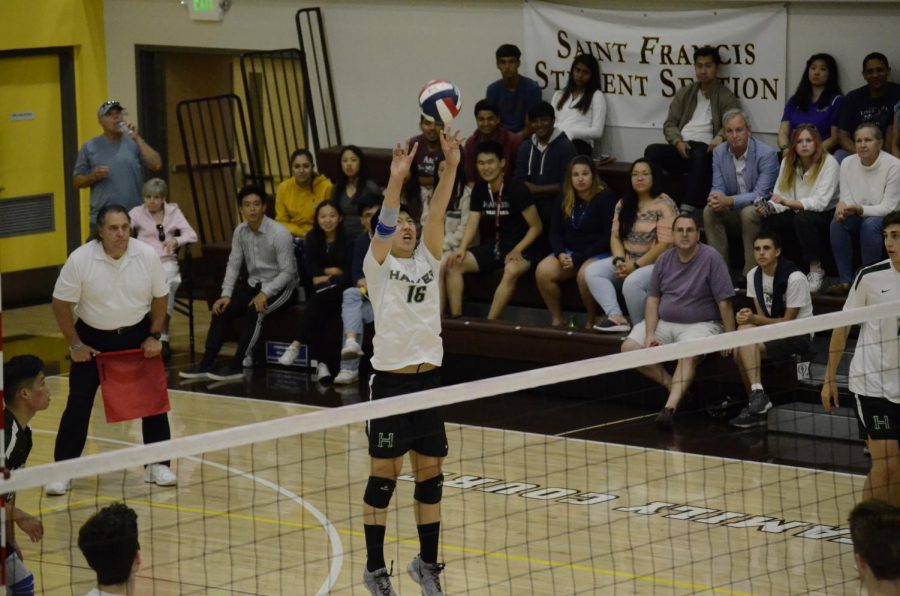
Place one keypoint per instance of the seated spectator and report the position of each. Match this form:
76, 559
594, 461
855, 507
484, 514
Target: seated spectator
895, 150
264, 246
503, 214
296, 198
542, 160
353, 186
514, 94
780, 293
457, 214
579, 235
429, 150
744, 170
693, 129
163, 226
875, 529
689, 298
356, 310
641, 231
874, 102
109, 542
329, 259
870, 189
488, 128
581, 105
808, 184
817, 101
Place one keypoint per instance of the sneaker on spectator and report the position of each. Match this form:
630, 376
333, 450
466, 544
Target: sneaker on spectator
323, 375
201, 371
759, 402
378, 582
58, 488
345, 377
747, 419
611, 326
665, 418
289, 355
160, 475
815, 279
351, 349
228, 372
426, 575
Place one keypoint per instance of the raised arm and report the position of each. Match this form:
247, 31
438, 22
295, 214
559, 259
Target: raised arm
387, 220
433, 232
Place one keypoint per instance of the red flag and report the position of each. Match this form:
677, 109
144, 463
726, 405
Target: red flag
133, 386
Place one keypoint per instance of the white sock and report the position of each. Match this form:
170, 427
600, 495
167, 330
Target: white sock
164, 337
756, 386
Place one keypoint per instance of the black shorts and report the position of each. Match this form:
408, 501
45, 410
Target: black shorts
779, 350
879, 416
487, 261
421, 431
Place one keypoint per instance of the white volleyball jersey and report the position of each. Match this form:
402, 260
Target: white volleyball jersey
407, 307
875, 367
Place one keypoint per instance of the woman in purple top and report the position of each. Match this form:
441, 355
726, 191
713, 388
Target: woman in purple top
579, 234
816, 101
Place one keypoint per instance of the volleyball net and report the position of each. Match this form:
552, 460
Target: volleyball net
274, 507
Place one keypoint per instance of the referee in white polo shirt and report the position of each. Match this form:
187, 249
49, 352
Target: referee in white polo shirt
119, 292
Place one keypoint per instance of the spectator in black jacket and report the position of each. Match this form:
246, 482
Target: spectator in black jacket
579, 235
328, 259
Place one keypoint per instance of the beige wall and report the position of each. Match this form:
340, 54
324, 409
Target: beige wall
382, 51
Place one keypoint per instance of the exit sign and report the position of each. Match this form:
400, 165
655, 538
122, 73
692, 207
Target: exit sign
206, 10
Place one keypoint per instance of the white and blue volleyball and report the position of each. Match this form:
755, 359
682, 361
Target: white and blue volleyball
440, 101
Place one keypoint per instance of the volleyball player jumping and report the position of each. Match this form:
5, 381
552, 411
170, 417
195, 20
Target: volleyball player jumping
403, 287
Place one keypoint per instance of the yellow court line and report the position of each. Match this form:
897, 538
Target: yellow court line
460, 549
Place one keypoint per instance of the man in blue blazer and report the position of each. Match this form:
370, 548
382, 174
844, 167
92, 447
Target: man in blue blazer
744, 170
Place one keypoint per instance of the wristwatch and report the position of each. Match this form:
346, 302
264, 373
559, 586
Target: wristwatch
155, 335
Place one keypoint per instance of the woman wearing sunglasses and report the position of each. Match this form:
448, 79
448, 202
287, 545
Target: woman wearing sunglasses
163, 226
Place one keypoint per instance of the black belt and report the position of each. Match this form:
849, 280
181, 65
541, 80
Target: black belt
117, 330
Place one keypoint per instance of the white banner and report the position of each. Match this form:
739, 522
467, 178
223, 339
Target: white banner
646, 56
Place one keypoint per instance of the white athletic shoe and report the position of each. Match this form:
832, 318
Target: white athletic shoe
160, 474
323, 375
57, 489
815, 279
351, 349
345, 377
290, 354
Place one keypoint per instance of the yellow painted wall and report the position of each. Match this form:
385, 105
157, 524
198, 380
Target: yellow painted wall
26, 24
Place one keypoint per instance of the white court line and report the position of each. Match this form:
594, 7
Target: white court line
232, 397
337, 547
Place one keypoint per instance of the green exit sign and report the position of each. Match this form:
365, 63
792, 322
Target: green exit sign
205, 10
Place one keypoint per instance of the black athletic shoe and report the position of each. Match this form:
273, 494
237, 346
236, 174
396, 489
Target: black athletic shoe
665, 418
747, 419
227, 373
759, 402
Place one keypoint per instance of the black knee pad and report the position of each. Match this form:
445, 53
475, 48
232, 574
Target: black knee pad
379, 492
430, 491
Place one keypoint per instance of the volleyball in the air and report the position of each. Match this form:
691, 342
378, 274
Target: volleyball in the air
440, 101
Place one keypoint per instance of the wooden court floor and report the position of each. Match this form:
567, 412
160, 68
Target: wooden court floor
523, 514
